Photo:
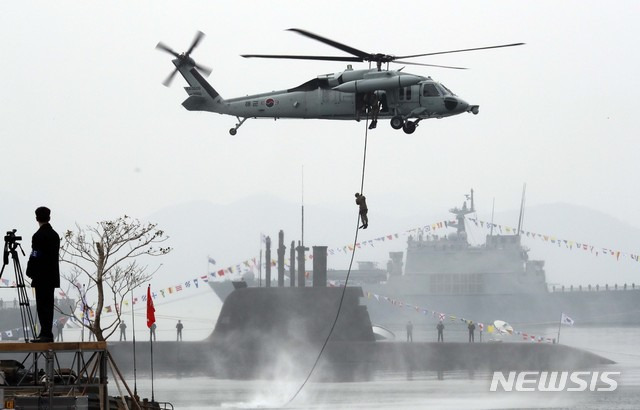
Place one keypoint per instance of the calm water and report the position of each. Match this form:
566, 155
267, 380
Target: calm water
420, 390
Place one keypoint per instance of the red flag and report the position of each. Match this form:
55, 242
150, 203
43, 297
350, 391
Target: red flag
151, 311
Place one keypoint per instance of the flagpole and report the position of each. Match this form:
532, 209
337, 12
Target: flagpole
151, 320
559, 326
133, 325
151, 344
302, 207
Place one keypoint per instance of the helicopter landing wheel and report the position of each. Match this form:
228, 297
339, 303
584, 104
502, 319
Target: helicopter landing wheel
397, 122
409, 127
233, 131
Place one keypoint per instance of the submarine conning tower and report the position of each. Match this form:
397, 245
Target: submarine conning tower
295, 313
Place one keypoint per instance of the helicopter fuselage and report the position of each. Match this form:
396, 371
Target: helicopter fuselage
352, 94
338, 96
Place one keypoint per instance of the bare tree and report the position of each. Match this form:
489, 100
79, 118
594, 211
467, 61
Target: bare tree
103, 261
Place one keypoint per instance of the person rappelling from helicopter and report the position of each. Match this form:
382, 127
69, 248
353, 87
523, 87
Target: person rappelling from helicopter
361, 201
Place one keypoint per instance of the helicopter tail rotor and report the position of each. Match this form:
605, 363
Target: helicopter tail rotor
184, 58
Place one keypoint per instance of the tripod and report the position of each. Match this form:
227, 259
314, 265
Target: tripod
11, 246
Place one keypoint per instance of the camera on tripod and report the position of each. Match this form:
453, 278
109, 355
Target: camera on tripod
11, 246
11, 237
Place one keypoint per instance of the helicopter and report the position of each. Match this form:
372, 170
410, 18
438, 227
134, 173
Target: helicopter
403, 98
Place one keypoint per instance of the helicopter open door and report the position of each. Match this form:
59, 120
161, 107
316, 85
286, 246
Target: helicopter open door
361, 111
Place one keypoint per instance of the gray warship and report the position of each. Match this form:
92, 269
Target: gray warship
493, 281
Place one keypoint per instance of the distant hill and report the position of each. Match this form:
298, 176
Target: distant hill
230, 234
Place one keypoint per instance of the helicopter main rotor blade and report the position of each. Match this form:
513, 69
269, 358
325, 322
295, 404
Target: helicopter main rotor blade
164, 47
294, 57
196, 40
354, 51
430, 65
460, 51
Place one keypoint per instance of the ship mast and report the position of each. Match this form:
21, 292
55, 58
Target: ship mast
461, 212
521, 217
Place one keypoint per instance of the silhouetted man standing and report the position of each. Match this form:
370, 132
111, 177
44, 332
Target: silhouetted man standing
440, 328
472, 329
44, 270
179, 327
123, 331
59, 325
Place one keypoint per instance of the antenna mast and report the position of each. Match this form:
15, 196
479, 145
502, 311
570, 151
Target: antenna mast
521, 218
302, 238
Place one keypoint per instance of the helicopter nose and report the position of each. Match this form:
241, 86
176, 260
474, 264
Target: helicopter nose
462, 105
455, 105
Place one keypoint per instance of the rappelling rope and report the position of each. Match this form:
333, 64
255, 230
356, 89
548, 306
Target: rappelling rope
346, 282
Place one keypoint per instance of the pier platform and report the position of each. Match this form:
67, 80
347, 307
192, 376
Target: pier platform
64, 375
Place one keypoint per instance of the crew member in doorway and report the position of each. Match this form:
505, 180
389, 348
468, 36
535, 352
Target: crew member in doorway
373, 105
361, 201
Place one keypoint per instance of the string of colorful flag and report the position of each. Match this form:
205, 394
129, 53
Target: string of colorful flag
160, 294
453, 318
253, 265
568, 244
346, 249
17, 332
9, 283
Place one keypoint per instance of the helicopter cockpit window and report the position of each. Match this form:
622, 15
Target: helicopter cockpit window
430, 90
445, 90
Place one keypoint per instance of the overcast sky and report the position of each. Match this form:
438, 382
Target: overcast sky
88, 129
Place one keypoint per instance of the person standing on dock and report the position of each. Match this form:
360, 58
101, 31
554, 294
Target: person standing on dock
179, 327
59, 325
440, 328
410, 332
44, 271
123, 331
472, 329
361, 201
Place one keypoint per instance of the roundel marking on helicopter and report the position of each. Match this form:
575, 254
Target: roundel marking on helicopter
270, 102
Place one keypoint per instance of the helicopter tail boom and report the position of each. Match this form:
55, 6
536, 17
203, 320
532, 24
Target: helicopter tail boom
202, 96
